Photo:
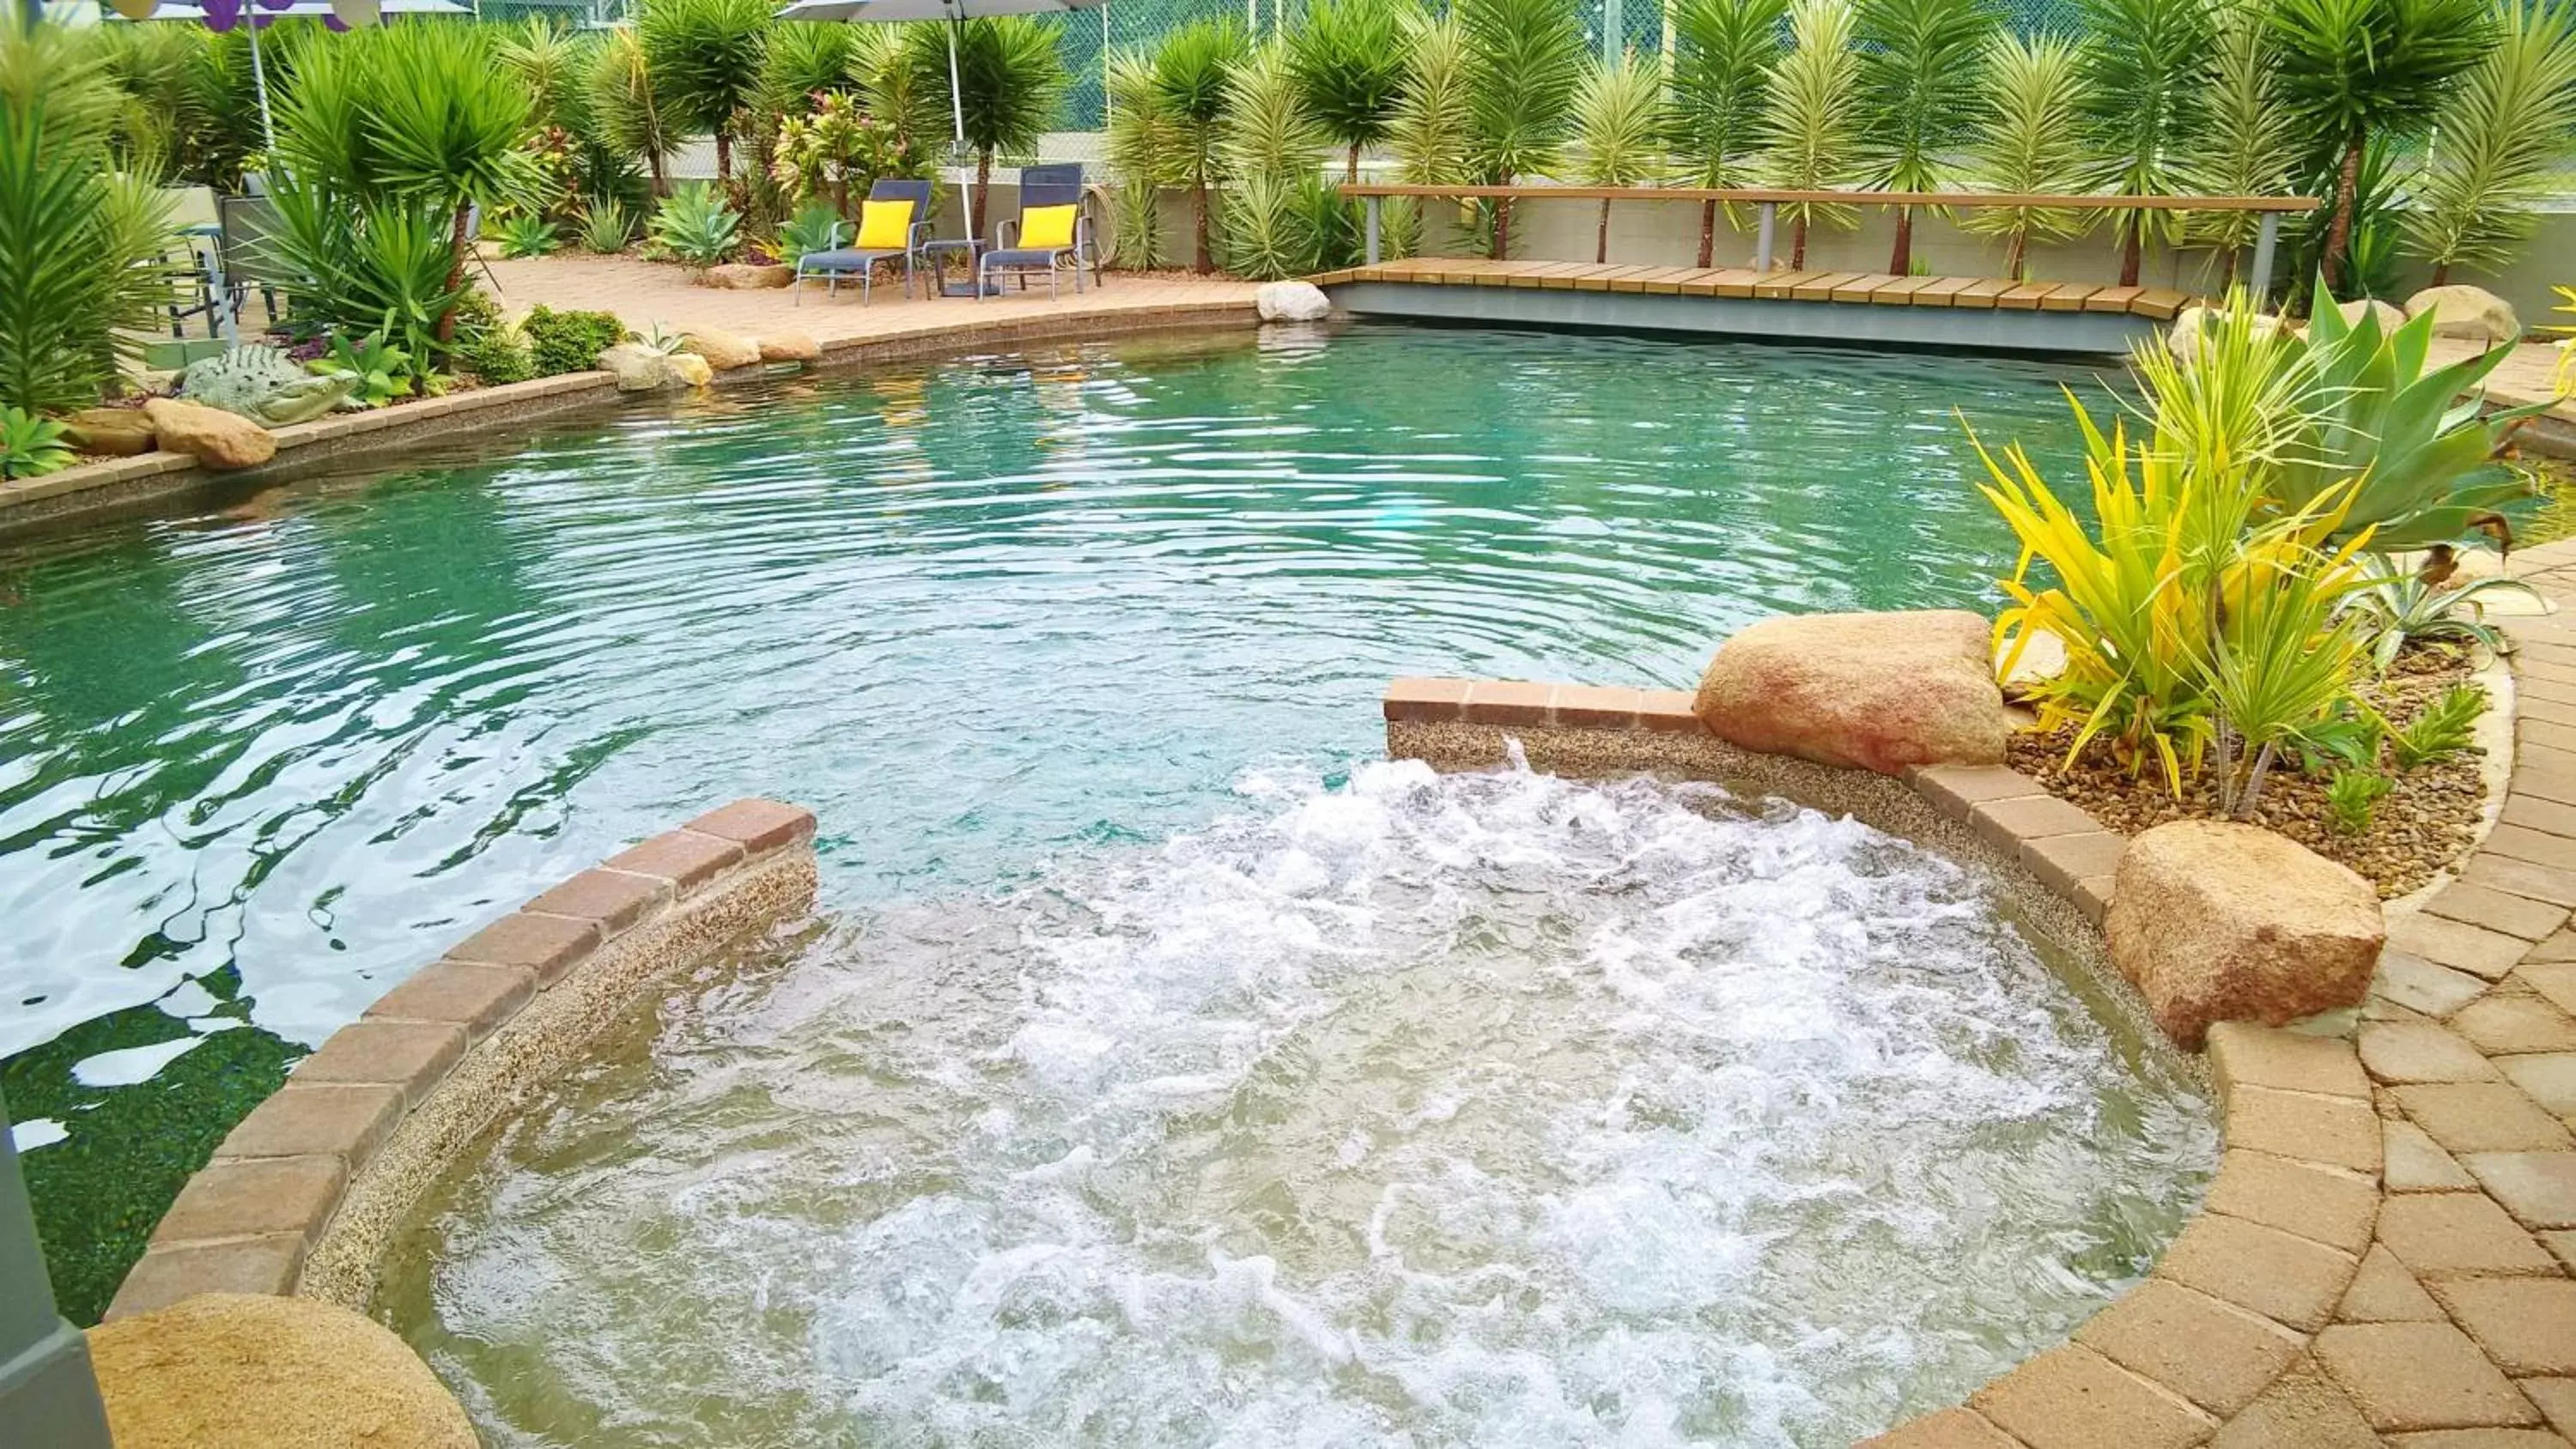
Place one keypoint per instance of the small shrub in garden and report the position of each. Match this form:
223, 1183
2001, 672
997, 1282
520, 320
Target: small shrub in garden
608, 226
383, 371
30, 444
696, 226
2350, 795
560, 342
528, 236
2447, 726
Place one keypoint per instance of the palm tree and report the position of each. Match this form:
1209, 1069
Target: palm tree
1270, 145
2031, 145
803, 59
2146, 66
1144, 155
1193, 75
548, 62
705, 60
1923, 92
2355, 69
2498, 137
1811, 128
1619, 119
626, 116
1722, 55
1010, 84
1348, 61
1524, 58
2246, 149
1432, 130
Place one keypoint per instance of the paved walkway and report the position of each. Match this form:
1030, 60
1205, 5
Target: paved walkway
2528, 376
646, 294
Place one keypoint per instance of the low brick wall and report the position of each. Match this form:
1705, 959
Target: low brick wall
2215, 1344
305, 1193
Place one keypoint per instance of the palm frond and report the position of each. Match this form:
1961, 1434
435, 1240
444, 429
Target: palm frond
1811, 128
2498, 137
2248, 147
2031, 144
1722, 56
1348, 60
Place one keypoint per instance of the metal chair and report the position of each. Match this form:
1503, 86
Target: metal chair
1054, 185
840, 261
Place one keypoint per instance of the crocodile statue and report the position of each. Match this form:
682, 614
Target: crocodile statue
264, 385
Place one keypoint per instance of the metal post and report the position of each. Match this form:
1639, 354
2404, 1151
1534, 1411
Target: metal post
259, 83
47, 1394
2264, 241
1372, 230
1762, 249
1614, 37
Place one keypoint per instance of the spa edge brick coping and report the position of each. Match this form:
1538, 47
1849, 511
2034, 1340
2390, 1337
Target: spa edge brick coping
2384, 1254
244, 1222
114, 482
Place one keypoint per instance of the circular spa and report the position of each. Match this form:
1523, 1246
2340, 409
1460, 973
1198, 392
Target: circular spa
1163, 1065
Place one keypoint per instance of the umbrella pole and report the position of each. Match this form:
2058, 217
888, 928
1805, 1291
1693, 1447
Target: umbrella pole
259, 83
957, 113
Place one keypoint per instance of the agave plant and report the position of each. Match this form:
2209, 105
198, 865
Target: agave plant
1524, 60
1722, 55
1619, 123
30, 444
2399, 606
2147, 68
607, 226
1193, 80
696, 226
2355, 69
1145, 153
527, 234
1811, 129
704, 59
2247, 148
816, 227
2031, 144
1924, 94
2500, 136
1348, 60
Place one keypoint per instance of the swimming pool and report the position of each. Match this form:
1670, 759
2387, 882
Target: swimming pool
256, 765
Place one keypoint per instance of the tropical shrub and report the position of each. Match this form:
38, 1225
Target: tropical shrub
627, 119
2400, 606
695, 226
2246, 147
1347, 59
527, 235
1145, 155
1923, 94
1619, 126
1270, 145
814, 228
1433, 130
30, 444
1811, 129
2501, 133
1524, 60
1722, 55
805, 60
561, 342
2147, 78
386, 265
2030, 143
381, 370
836, 151
703, 62
2351, 795
1193, 80
492, 350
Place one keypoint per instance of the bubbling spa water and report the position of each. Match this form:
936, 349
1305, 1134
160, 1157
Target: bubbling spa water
1395, 1109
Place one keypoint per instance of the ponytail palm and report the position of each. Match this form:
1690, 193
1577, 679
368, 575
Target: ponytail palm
1923, 90
2353, 70
1811, 129
2248, 149
705, 59
2498, 137
1619, 119
1144, 154
1193, 77
1722, 55
2146, 66
2030, 145
1524, 59
1432, 130
1348, 61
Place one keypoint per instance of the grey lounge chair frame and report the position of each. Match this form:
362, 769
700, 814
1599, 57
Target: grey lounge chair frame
1056, 185
832, 265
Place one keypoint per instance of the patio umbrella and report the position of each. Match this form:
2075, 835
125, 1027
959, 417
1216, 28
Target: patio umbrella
864, 12
225, 14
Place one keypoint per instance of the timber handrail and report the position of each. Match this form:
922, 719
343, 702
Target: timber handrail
1757, 196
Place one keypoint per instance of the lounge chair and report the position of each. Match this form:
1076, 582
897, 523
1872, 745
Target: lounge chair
905, 241
1051, 234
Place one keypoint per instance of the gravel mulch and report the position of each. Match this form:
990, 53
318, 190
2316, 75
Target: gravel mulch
2418, 828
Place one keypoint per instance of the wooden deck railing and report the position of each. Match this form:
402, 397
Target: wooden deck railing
1768, 203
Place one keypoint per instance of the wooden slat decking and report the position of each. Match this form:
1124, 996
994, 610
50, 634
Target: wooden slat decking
1863, 288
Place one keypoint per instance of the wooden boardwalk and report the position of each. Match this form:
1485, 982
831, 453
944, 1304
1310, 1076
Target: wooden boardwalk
1877, 289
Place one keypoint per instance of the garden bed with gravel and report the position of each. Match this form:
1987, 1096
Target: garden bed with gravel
2428, 819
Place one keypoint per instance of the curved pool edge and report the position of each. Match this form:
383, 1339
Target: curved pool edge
305, 1195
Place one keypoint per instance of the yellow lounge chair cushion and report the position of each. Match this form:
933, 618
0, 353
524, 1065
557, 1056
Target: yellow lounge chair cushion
884, 226
1046, 228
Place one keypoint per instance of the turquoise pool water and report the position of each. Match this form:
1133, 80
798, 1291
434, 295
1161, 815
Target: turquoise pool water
256, 765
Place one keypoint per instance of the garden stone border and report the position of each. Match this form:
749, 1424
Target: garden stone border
306, 1193
2383, 1255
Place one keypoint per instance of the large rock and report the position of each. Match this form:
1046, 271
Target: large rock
245, 1371
123, 432
724, 351
1292, 302
2182, 338
215, 438
639, 368
1876, 691
2471, 312
2215, 922
748, 276
789, 347
688, 369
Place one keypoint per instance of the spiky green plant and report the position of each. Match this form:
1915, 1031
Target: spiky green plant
607, 226
1433, 131
627, 118
695, 225
705, 58
2445, 727
31, 444
2147, 67
1145, 155
1722, 56
1270, 147
548, 61
1811, 127
2399, 607
1010, 82
1923, 96
1619, 126
79, 275
526, 235
803, 59
1524, 60
2246, 147
1193, 79
2355, 69
2351, 797
1348, 59
2031, 144
2498, 137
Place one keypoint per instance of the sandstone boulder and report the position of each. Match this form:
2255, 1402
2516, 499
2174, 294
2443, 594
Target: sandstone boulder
688, 369
2216, 922
246, 1371
2182, 338
789, 347
2388, 317
724, 351
1292, 302
2471, 312
639, 368
215, 438
748, 276
121, 431
1875, 691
